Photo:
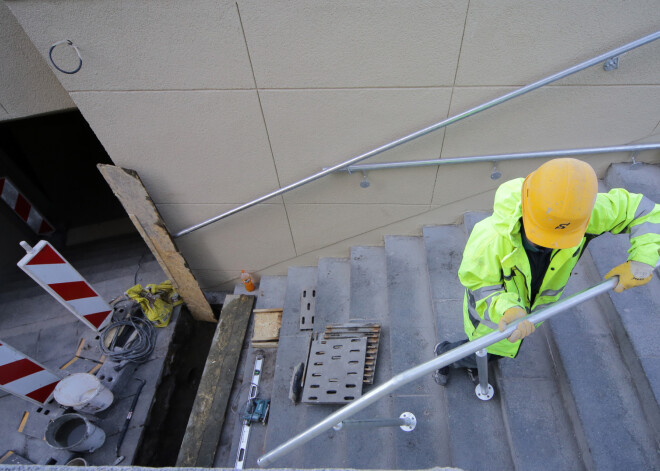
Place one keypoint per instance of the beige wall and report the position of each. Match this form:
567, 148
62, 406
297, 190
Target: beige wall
27, 85
215, 103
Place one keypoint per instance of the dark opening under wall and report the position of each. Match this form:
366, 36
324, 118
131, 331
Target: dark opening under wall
52, 160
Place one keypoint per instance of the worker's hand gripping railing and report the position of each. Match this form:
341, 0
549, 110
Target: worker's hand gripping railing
426, 368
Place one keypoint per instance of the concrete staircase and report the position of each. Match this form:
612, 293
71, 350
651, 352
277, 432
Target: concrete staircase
583, 393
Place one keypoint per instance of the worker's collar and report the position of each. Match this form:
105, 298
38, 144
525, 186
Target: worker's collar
531, 246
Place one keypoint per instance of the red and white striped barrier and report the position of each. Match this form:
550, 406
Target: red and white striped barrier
23, 208
46, 266
23, 377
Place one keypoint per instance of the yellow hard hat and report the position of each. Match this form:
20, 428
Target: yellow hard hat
557, 201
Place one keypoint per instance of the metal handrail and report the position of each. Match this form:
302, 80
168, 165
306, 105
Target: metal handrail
426, 368
500, 157
528, 88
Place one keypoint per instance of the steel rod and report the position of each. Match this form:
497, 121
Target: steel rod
499, 157
369, 423
422, 132
426, 368
482, 368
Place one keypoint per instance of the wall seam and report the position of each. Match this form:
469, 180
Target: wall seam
430, 87
263, 117
451, 99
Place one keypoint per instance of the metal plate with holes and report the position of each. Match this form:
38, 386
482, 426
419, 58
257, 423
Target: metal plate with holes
307, 308
368, 330
334, 371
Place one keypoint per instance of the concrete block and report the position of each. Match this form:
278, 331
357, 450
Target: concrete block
293, 47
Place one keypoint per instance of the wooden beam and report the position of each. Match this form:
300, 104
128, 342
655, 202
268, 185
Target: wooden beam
207, 417
128, 188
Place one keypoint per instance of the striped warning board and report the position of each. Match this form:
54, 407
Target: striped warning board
46, 266
24, 377
23, 208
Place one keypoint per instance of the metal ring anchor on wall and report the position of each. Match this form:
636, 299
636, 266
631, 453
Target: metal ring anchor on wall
50, 55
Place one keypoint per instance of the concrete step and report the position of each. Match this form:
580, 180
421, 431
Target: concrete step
485, 446
287, 419
642, 178
333, 294
412, 337
270, 295
611, 417
372, 448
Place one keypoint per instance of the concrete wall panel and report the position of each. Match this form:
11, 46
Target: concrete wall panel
353, 43
552, 118
509, 42
313, 129
217, 103
251, 240
188, 147
27, 85
316, 225
135, 45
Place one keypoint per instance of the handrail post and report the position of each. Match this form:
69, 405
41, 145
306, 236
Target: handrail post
484, 391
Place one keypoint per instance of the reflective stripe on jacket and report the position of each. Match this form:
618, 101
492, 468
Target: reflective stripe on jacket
496, 272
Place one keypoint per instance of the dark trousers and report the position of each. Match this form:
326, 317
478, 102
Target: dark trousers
469, 361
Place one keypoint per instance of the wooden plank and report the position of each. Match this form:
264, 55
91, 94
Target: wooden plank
128, 188
273, 344
200, 441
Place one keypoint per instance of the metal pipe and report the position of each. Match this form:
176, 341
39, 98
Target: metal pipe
426, 368
499, 157
482, 368
434, 127
369, 423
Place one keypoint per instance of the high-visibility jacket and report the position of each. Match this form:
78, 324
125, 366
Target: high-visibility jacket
495, 269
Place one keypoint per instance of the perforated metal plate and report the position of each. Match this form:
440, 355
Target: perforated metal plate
307, 308
354, 329
335, 370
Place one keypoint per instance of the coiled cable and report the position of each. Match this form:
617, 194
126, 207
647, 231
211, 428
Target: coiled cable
137, 348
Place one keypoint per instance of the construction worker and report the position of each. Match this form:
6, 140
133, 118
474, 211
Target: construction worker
519, 259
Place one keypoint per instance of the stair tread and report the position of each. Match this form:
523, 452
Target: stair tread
608, 408
412, 337
333, 292
444, 248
